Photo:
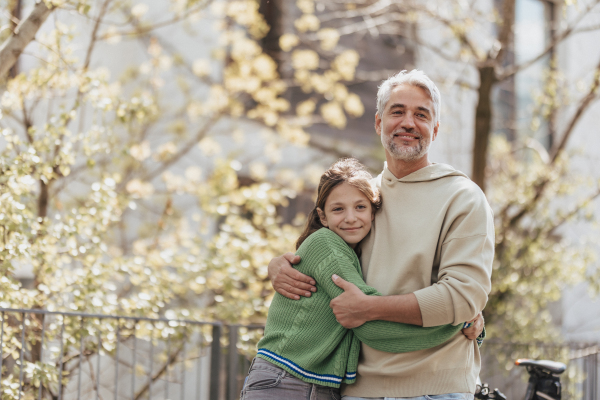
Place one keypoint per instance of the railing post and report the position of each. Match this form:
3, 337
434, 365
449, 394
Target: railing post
232, 374
215, 362
594, 394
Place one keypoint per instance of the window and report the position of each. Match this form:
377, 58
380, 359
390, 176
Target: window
515, 97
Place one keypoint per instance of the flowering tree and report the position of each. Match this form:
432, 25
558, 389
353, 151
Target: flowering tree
135, 190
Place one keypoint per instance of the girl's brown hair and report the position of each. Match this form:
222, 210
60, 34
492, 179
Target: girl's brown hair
347, 170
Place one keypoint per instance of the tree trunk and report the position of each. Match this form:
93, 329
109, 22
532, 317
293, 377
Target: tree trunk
16, 16
24, 33
483, 124
43, 199
273, 14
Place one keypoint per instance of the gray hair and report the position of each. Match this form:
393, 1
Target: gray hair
414, 78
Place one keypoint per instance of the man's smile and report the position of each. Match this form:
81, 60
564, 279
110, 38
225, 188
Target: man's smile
407, 136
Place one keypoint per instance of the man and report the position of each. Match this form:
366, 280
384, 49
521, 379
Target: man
429, 253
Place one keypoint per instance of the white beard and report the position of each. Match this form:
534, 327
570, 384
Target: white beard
405, 153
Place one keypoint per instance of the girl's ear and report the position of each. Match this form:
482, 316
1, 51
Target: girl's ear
322, 217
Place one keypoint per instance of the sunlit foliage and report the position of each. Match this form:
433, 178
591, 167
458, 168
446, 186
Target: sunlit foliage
142, 192
534, 260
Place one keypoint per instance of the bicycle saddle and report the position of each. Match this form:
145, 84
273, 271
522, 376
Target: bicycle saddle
552, 367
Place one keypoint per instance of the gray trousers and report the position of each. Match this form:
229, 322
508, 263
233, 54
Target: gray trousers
266, 381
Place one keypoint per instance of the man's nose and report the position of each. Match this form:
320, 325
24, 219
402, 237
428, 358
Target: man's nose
408, 122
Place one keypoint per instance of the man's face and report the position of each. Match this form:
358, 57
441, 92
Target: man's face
406, 125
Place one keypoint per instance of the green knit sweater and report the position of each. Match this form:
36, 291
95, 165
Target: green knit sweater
303, 336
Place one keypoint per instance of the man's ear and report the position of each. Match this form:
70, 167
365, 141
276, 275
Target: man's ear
378, 124
435, 131
322, 217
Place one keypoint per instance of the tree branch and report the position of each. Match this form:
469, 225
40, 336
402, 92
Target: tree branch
186, 148
574, 211
452, 24
364, 25
374, 8
94, 37
560, 147
583, 106
555, 42
506, 34
437, 51
170, 360
144, 30
23, 35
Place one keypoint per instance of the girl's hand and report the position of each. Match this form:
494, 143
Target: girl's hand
475, 329
347, 307
287, 281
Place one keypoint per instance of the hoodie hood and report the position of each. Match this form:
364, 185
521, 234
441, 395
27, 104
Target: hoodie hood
429, 173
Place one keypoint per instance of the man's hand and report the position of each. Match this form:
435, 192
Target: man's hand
347, 306
287, 281
474, 330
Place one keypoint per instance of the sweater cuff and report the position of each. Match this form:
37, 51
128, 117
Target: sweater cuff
436, 307
480, 338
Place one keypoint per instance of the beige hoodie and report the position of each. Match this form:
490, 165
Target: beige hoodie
434, 237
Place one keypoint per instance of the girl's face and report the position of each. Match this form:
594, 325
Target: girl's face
348, 213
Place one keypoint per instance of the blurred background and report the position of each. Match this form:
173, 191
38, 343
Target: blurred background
157, 154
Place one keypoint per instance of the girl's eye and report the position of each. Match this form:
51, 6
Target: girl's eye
337, 209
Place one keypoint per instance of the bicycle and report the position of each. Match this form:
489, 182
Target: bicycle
544, 381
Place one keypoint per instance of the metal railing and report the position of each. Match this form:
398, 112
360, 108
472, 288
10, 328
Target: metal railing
71, 355
581, 380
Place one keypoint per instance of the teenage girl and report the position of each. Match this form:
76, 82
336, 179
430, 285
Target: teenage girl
305, 353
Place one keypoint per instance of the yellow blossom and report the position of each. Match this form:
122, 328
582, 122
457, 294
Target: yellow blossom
333, 114
165, 151
293, 134
301, 75
264, 95
340, 92
307, 22
245, 49
305, 59
140, 151
139, 10
306, 108
329, 38
322, 83
139, 189
353, 105
306, 6
258, 170
209, 146
201, 68
218, 98
345, 64
112, 35
287, 41
264, 67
